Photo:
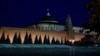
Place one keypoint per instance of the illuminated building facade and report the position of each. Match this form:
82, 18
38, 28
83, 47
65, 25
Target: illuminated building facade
46, 27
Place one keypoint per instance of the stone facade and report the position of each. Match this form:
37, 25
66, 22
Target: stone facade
61, 36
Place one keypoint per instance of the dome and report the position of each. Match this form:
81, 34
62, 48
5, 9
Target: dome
48, 20
48, 23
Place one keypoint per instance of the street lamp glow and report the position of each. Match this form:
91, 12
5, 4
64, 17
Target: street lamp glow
72, 41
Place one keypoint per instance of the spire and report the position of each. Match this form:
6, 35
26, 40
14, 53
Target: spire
70, 28
48, 13
69, 22
68, 17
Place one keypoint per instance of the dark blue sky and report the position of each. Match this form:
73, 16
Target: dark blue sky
19, 13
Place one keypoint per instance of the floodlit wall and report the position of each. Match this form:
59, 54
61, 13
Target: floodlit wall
61, 36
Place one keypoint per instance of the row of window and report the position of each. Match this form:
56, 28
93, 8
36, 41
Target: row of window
49, 27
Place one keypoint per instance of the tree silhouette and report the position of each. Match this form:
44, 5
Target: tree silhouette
78, 43
61, 42
0, 40
53, 41
26, 38
48, 41
36, 40
7, 40
30, 39
67, 42
87, 40
45, 40
15, 39
3, 38
57, 42
94, 13
98, 42
94, 17
40, 40
19, 39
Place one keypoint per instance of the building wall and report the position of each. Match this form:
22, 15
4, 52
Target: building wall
57, 35
51, 27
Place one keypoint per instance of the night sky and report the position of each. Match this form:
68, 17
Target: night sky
19, 13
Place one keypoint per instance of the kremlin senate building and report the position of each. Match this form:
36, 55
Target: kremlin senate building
47, 27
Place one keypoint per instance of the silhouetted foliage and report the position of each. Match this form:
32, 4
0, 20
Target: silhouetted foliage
30, 39
94, 15
57, 42
87, 40
61, 42
98, 42
2, 38
77, 43
27, 39
36, 40
7, 41
53, 41
19, 39
45, 40
68, 42
48, 41
15, 39
40, 40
